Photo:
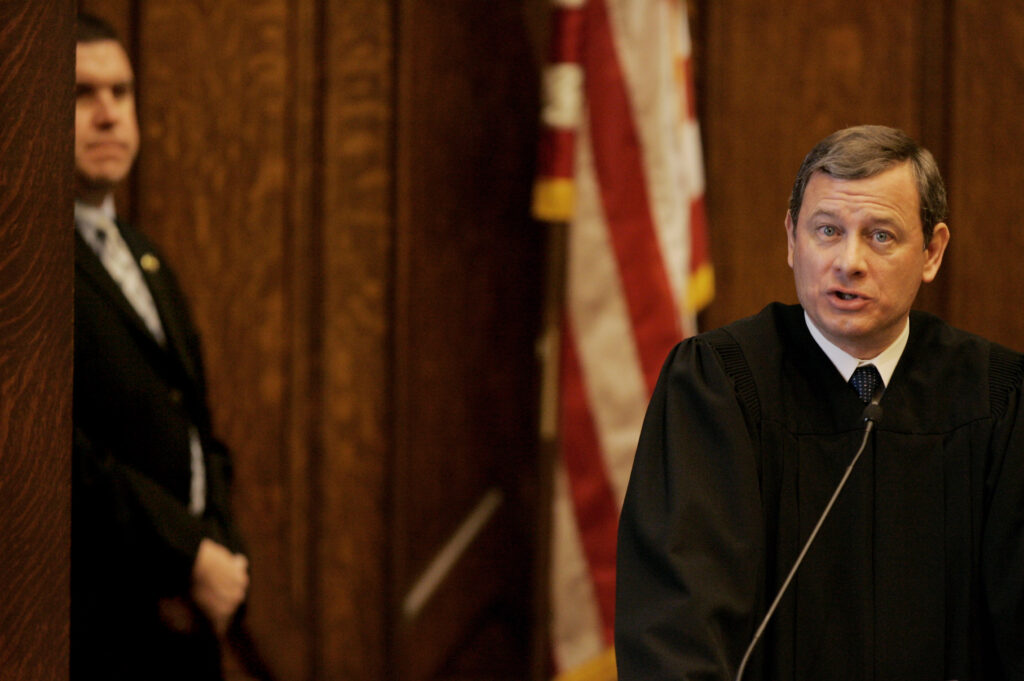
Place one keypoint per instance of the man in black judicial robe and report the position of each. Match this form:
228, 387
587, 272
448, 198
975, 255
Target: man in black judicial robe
918, 572
157, 571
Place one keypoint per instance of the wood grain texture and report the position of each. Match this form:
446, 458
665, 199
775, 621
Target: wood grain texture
221, 190
778, 77
468, 280
987, 170
469, 259
35, 337
935, 108
351, 579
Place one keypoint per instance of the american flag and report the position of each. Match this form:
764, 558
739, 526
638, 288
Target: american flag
620, 164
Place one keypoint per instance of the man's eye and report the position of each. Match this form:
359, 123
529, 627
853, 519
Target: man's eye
828, 230
883, 237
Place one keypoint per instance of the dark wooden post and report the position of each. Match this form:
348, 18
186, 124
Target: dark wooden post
36, 133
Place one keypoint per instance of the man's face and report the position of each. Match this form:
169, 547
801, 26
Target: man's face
106, 130
858, 257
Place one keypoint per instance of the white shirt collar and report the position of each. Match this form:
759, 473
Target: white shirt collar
92, 222
846, 363
107, 208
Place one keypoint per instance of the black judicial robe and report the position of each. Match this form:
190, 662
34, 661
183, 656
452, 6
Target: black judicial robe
918, 573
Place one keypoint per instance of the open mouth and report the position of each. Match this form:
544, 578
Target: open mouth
847, 299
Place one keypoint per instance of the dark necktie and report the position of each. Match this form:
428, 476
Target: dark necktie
866, 381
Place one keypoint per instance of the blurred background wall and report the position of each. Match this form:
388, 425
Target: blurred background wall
343, 187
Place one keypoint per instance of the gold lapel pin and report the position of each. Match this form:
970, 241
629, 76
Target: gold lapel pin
150, 263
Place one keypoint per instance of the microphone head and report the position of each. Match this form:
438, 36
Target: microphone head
872, 412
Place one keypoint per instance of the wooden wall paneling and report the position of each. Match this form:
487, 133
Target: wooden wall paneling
777, 78
442, 639
468, 286
303, 292
934, 105
987, 170
350, 582
36, 317
223, 190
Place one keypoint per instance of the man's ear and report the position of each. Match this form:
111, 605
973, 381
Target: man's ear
933, 252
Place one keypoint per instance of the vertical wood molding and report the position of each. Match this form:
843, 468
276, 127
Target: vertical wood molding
934, 105
357, 236
36, 316
986, 169
303, 281
468, 287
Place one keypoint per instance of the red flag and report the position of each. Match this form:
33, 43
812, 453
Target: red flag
621, 163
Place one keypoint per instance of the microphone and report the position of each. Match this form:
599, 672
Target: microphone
871, 415
873, 412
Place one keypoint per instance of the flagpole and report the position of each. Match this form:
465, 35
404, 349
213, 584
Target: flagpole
548, 355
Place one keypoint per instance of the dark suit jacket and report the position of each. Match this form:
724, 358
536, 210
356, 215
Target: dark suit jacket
133, 539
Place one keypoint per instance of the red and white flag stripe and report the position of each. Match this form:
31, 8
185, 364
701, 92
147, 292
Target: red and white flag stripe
621, 162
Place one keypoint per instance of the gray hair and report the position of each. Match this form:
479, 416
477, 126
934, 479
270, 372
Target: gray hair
868, 150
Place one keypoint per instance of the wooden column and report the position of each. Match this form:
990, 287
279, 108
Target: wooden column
36, 316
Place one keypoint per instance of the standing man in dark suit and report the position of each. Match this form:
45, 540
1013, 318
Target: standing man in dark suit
158, 575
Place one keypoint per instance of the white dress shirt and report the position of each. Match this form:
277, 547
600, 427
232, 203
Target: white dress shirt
846, 363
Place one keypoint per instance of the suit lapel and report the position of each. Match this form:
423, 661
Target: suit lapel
90, 267
168, 305
88, 263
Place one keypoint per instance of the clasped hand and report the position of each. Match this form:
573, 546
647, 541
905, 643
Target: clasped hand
220, 580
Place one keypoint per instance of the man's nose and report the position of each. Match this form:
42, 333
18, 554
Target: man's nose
851, 257
106, 111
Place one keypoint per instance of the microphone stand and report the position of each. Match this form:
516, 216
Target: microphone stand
872, 413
